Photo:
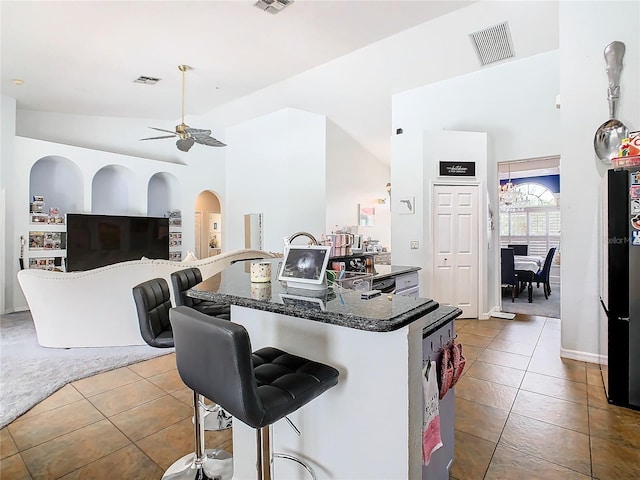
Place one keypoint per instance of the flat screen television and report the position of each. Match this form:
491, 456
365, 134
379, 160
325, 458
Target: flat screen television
98, 240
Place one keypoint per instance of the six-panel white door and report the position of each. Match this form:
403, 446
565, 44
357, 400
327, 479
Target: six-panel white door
455, 247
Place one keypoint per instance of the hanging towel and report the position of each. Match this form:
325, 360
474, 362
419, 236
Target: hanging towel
431, 439
458, 361
445, 371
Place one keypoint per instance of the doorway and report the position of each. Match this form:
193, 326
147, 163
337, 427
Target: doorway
529, 215
208, 225
455, 247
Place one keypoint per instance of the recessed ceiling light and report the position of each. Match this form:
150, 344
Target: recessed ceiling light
17, 81
146, 80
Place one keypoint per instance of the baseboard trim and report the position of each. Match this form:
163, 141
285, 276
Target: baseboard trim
584, 356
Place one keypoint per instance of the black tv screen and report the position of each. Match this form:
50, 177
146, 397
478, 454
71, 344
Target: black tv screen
98, 240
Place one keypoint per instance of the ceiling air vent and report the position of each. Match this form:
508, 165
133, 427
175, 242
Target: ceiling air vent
272, 6
493, 43
146, 80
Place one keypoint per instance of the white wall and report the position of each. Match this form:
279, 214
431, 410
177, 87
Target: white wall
355, 176
512, 102
276, 165
586, 28
8, 263
29, 151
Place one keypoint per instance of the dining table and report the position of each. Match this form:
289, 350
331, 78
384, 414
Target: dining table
526, 266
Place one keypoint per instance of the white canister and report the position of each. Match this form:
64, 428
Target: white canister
261, 291
260, 272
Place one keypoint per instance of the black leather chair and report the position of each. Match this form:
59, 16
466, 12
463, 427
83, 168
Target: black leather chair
183, 280
520, 249
214, 358
153, 302
543, 275
508, 275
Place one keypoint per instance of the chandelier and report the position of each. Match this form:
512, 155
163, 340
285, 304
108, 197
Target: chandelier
510, 197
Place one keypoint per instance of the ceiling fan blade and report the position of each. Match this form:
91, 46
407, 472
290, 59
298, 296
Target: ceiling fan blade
212, 142
197, 131
184, 144
163, 130
158, 138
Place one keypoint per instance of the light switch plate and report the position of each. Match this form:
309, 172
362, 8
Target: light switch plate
414, 244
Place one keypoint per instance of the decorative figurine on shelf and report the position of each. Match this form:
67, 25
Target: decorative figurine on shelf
213, 243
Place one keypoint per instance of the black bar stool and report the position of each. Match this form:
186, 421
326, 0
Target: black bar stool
153, 304
214, 358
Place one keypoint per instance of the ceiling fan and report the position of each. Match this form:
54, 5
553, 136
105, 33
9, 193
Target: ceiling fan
187, 136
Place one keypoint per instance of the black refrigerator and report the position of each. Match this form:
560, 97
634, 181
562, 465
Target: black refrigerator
620, 286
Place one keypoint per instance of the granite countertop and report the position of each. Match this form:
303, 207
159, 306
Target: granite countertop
386, 271
344, 308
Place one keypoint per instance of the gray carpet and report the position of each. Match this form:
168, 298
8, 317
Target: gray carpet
540, 306
30, 373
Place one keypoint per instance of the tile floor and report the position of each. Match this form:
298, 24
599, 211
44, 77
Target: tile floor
521, 412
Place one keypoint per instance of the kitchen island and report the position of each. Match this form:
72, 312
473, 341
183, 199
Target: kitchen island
370, 425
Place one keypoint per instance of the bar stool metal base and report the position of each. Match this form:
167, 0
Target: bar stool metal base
266, 455
217, 465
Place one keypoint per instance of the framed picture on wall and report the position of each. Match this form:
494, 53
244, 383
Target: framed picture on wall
366, 216
407, 205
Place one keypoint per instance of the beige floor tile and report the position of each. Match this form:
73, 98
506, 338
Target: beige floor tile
479, 420
472, 339
7, 445
517, 336
471, 351
486, 393
66, 395
551, 342
505, 359
511, 347
562, 413
155, 366
169, 381
34, 430
128, 396
480, 329
151, 417
13, 468
555, 387
185, 395
510, 464
105, 381
66, 453
472, 456
597, 397
511, 377
558, 367
616, 424
549, 442
594, 376
172, 443
127, 463
612, 461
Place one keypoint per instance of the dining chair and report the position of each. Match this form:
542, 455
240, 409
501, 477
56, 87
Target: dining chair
543, 275
520, 249
507, 272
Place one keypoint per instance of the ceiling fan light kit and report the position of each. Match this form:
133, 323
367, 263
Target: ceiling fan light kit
187, 136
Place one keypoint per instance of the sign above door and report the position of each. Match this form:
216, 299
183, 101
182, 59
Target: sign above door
457, 169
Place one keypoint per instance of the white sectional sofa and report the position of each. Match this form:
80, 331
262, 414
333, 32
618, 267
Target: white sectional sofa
95, 308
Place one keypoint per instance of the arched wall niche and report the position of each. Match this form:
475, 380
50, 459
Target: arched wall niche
59, 180
111, 191
162, 194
